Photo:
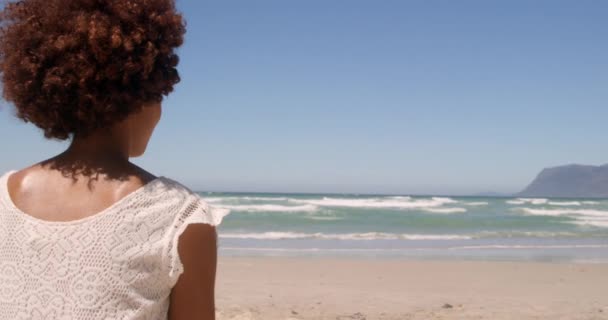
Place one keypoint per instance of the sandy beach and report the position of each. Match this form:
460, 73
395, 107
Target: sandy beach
350, 288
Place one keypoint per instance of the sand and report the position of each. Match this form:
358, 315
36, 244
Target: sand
349, 288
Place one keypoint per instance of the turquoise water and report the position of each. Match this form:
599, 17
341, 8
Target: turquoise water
413, 227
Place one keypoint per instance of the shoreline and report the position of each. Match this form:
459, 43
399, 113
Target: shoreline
354, 288
581, 250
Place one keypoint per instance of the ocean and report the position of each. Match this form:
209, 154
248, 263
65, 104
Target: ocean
412, 227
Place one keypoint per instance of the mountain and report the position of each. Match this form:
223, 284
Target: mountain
570, 181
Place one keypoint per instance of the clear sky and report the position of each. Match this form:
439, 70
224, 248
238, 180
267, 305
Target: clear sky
410, 97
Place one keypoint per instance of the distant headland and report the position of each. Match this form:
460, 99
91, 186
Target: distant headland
569, 181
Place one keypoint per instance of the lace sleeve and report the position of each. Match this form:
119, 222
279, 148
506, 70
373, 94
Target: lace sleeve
195, 210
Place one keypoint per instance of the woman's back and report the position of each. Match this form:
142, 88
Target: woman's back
119, 263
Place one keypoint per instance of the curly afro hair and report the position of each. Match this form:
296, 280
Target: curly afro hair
73, 66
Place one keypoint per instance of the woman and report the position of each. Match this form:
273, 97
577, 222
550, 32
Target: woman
87, 234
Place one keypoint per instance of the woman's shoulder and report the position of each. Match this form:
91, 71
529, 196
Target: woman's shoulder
169, 189
122, 184
193, 207
43, 180
145, 190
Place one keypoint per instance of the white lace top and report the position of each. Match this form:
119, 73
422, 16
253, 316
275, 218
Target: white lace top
120, 263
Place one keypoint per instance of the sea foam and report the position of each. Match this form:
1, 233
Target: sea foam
244, 198
269, 208
564, 203
342, 236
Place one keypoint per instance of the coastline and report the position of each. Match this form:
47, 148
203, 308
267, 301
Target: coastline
352, 288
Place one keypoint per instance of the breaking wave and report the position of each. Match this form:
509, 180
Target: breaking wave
528, 200
589, 217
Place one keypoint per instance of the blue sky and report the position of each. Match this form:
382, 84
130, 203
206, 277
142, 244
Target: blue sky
410, 97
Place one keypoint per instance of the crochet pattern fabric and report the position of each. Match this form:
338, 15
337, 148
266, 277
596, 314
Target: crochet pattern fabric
120, 263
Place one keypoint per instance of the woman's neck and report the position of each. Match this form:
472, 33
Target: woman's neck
100, 153
99, 147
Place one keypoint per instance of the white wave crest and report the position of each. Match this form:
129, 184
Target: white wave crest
593, 222
528, 200
445, 210
342, 236
591, 202
481, 203
390, 202
246, 198
400, 197
586, 217
564, 203
269, 208
262, 198
564, 212
531, 234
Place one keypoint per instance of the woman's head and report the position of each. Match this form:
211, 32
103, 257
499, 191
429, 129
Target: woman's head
72, 67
